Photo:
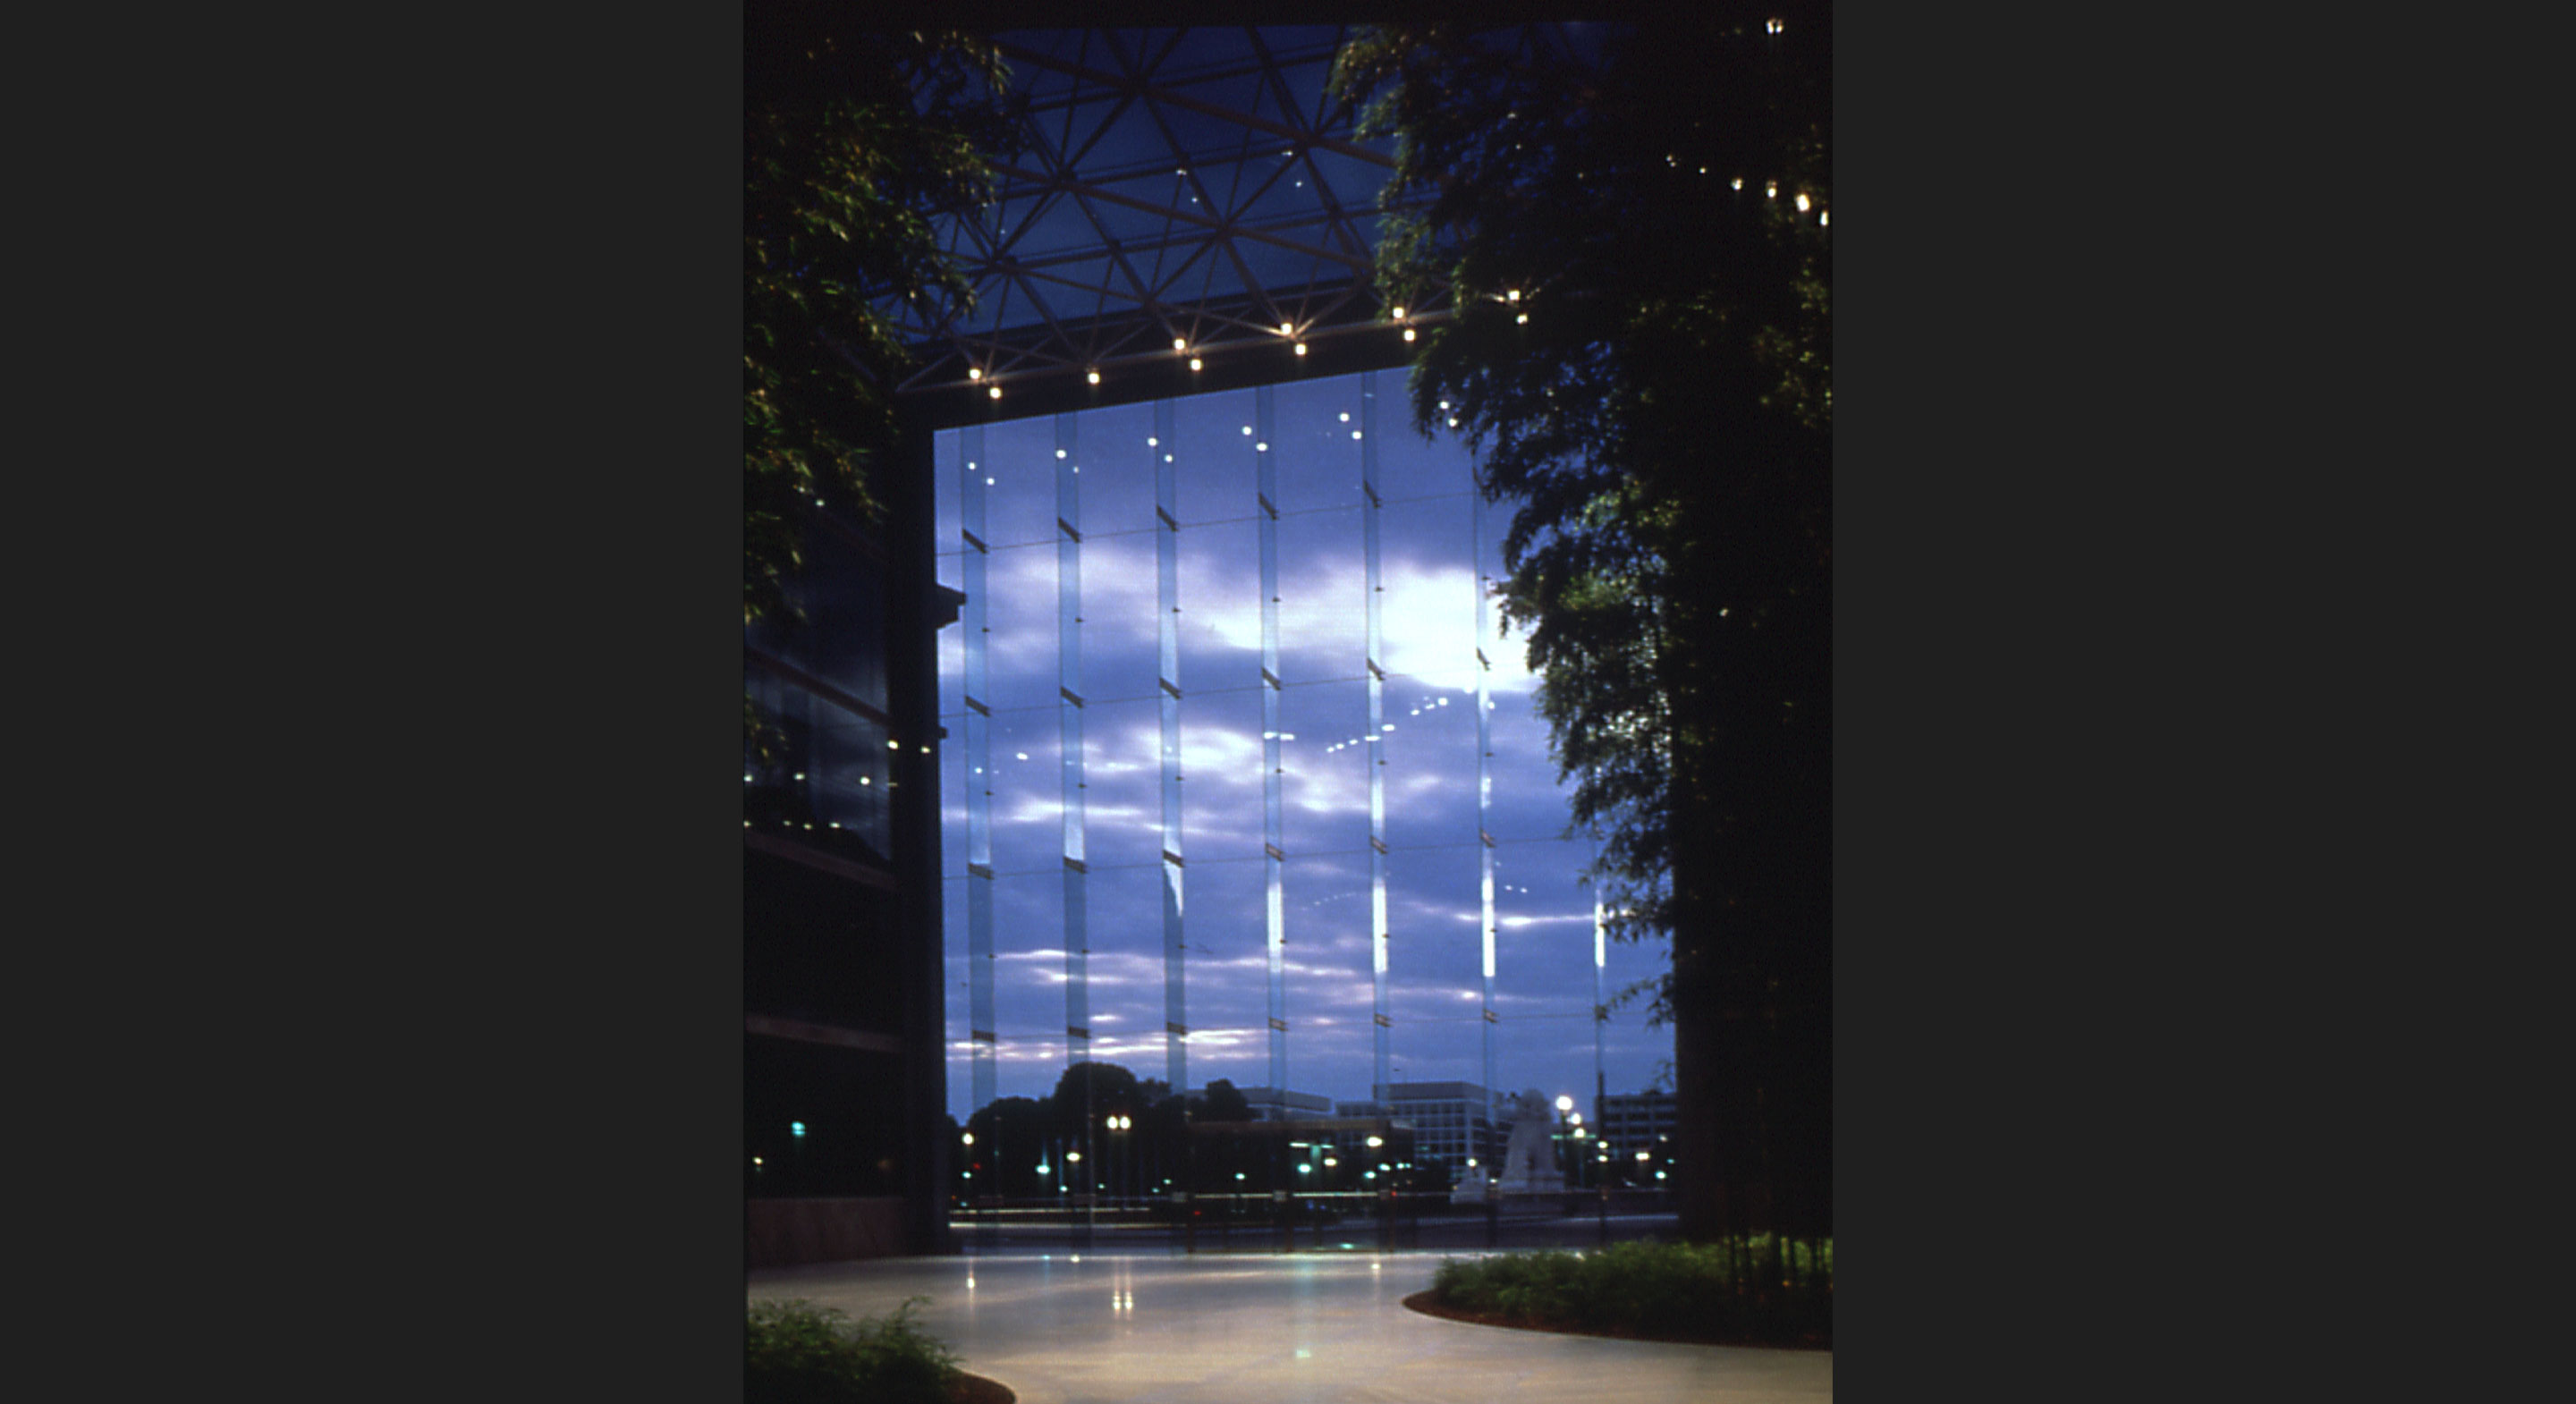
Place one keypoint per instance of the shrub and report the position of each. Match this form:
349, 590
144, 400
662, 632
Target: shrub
798, 1353
1708, 1292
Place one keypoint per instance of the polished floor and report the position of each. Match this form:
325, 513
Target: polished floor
1091, 1328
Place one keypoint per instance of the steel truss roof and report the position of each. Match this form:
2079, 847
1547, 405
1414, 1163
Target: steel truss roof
1181, 192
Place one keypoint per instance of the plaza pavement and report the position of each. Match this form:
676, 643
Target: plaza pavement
1093, 1328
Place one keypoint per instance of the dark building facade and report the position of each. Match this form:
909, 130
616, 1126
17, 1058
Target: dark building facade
844, 1083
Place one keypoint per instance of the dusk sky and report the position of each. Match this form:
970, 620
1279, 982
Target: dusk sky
1544, 962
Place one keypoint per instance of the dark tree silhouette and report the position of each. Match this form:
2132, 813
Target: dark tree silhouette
1640, 258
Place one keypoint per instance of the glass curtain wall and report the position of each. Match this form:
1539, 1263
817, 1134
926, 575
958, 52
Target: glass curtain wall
1251, 787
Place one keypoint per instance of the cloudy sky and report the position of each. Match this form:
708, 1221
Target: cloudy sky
1544, 962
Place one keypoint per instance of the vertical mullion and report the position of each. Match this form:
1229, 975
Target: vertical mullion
1068, 568
1375, 650
1267, 487
1167, 550
982, 1036
1484, 774
1600, 960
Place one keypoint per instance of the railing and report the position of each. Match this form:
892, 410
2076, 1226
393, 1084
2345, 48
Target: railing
1323, 1221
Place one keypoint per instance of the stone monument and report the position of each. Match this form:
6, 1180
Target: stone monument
1528, 1165
1473, 1186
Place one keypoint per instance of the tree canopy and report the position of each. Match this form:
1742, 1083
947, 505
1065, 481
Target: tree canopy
852, 140
1225, 1102
1639, 257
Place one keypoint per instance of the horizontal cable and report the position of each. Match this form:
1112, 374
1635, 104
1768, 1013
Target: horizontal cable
1092, 533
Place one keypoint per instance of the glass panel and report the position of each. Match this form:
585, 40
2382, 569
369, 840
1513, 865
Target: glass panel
1120, 637
1229, 986
1527, 801
946, 455
1428, 613
1214, 457
1409, 466
1323, 595
1435, 964
1123, 806
1125, 968
1028, 983
1019, 461
1431, 749
1325, 790
1020, 609
1027, 830
1221, 780
1220, 609
1117, 471
1318, 429
1331, 999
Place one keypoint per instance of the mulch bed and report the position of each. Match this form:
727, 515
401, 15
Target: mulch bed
975, 1389
1428, 1303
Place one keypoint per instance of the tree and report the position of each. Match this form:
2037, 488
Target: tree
1225, 1102
1089, 1091
852, 140
1010, 1135
1640, 261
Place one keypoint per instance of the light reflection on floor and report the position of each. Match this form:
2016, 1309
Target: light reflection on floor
1064, 1328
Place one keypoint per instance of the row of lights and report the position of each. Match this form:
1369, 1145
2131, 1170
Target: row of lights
1181, 346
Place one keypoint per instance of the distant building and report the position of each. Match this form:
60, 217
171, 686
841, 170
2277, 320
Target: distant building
1635, 1121
1273, 1104
1453, 1122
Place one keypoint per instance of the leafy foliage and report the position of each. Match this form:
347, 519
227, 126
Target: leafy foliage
1092, 1090
1225, 1102
853, 140
796, 1352
1739, 1289
1641, 356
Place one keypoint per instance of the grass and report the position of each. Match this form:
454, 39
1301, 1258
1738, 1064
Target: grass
799, 1353
1748, 1290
